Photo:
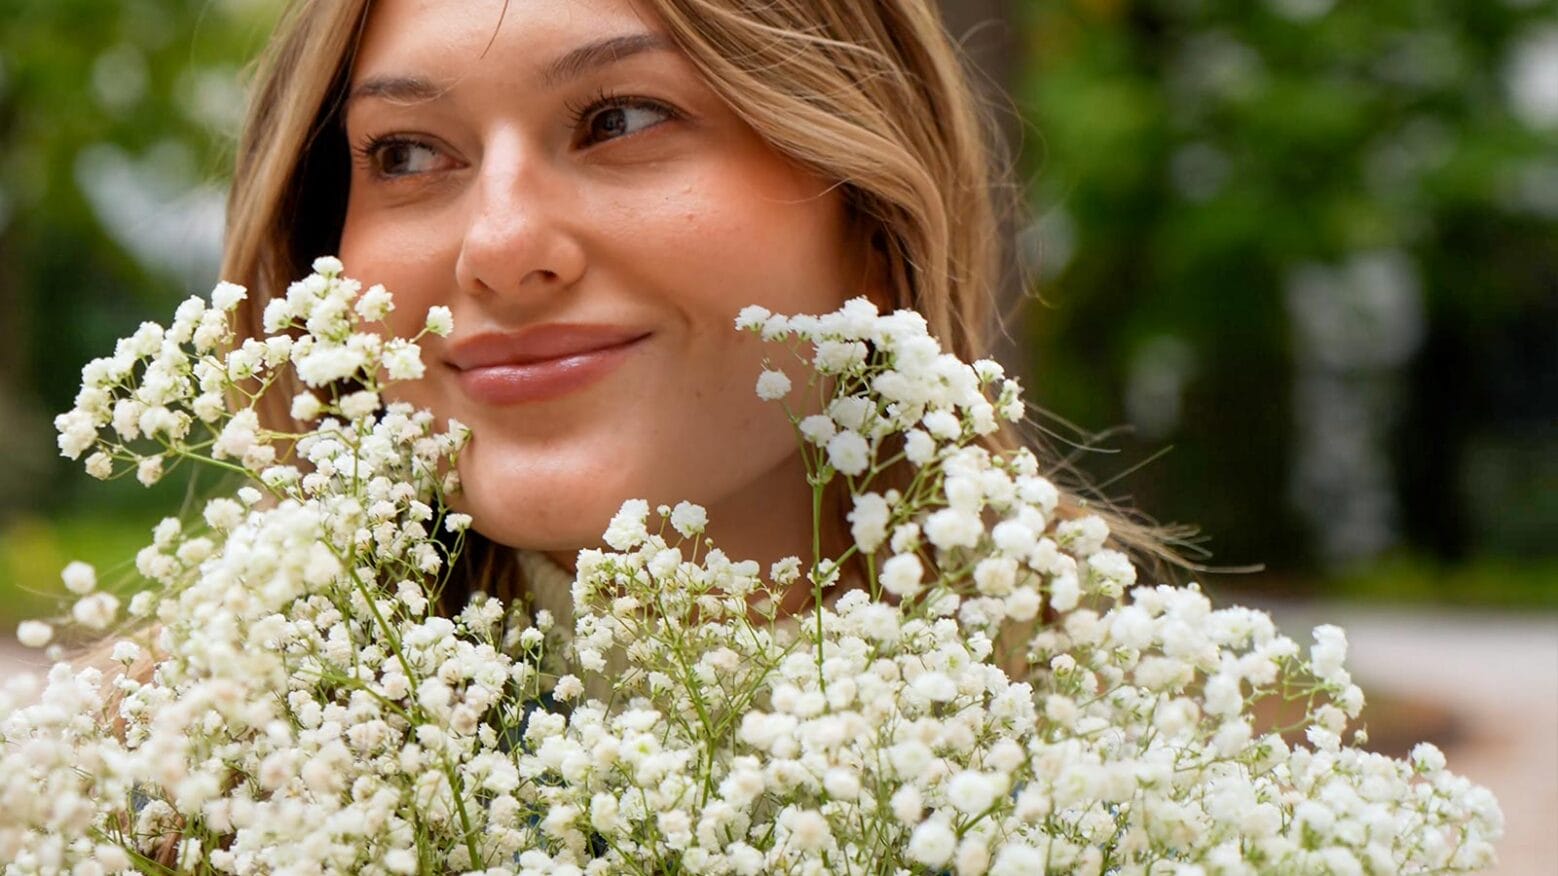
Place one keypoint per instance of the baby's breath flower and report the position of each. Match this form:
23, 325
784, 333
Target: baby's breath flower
326, 363
833, 357
359, 404
403, 361
850, 412
80, 578
100, 465
1085, 536
902, 575
209, 407
932, 844
306, 407
849, 453
817, 429
223, 514
328, 266
278, 313
869, 520
808, 829
95, 611
919, 447
238, 436
905, 538
440, 321
34, 634
689, 519
1427, 758
776, 327
227, 295
952, 528
375, 304
943, 425
1112, 568
569, 687
149, 470
627, 527
1329, 651
785, 571
773, 385
76, 433
752, 317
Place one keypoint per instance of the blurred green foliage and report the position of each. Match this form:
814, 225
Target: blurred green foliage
1258, 216
116, 121
1191, 159
35, 549
1492, 582
116, 124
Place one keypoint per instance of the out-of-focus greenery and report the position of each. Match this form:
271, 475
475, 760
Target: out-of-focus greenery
1190, 158
1210, 174
1488, 581
35, 549
116, 122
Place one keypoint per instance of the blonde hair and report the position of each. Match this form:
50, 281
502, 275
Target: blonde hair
872, 95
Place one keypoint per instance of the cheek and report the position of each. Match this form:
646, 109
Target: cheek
739, 233
749, 229
406, 259
409, 257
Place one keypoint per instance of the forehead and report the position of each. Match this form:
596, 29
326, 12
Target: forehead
451, 38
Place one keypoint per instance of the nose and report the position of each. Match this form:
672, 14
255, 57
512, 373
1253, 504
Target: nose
518, 242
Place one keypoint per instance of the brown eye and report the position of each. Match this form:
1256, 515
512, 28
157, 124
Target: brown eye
404, 157
621, 117
396, 156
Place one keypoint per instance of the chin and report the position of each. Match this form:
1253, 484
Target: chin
560, 501
527, 515
534, 528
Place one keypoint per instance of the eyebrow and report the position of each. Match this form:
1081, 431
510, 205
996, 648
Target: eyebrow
600, 53
401, 89
575, 63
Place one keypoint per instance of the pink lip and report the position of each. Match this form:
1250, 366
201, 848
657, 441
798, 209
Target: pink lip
541, 362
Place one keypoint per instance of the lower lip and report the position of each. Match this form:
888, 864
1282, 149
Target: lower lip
545, 380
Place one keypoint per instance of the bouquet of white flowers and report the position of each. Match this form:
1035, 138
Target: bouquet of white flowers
979, 684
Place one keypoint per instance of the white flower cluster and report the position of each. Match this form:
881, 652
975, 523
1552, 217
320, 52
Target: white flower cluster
290, 654
978, 685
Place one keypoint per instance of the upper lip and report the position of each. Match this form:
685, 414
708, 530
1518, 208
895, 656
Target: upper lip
538, 343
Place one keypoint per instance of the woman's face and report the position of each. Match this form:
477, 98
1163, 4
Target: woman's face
561, 178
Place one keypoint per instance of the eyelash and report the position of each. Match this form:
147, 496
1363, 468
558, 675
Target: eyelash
606, 99
367, 152
370, 148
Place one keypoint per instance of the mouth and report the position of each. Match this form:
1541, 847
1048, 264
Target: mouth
540, 363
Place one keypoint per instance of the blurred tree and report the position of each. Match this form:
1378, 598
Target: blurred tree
1297, 240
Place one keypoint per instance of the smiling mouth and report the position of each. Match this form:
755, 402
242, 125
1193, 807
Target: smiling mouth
529, 373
